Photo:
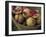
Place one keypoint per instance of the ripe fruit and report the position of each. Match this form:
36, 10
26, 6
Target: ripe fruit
27, 11
24, 15
36, 15
21, 19
20, 16
30, 21
18, 10
16, 17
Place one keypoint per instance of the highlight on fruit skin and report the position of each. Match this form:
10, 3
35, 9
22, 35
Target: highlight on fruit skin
30, 21
24, 15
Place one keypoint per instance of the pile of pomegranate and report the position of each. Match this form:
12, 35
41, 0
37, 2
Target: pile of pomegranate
27, 15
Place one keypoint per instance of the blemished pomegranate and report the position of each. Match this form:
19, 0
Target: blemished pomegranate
19, 18
16, 17
30, 21
30, 12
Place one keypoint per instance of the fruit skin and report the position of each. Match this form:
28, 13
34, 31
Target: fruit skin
18, 10
24, 15
30, 12
27, 12
36, 16
30, 21
16, 17
19, 18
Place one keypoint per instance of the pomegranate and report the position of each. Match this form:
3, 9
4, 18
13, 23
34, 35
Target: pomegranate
30, 21
19, 18
18, 10
27, 11
16, 18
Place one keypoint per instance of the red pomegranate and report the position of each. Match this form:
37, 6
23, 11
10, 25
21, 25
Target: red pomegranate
29, 12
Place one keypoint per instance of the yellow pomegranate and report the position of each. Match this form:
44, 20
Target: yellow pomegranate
20, 16
30, 21
16, 17
21, 19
